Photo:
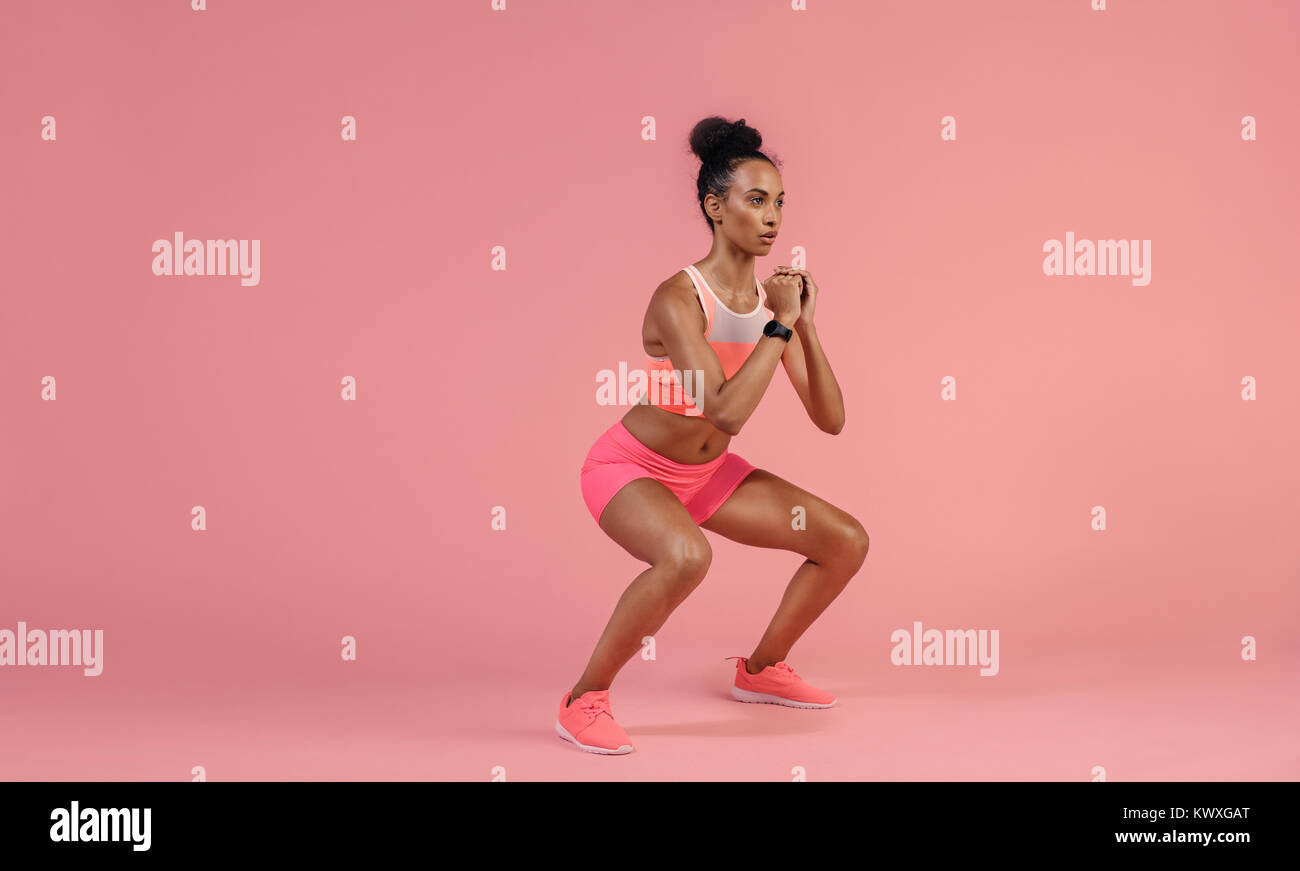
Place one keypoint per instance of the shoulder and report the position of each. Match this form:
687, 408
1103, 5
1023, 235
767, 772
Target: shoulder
678, 284
676, 291
674, 298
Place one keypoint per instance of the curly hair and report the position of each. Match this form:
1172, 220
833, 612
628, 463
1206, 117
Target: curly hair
721, 145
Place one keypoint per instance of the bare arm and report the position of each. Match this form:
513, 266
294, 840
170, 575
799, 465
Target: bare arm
806, 363
674, 317
810, 373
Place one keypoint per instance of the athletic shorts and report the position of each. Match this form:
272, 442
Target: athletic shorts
617, 458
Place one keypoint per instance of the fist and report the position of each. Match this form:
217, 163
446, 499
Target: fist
783, 294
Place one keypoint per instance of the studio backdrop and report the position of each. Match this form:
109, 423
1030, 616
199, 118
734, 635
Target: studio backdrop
310, 312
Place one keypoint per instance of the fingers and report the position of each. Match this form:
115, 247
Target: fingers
803, 275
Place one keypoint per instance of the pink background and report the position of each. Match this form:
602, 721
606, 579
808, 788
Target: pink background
476, 388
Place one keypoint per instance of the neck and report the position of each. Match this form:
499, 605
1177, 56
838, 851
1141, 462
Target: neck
730, 267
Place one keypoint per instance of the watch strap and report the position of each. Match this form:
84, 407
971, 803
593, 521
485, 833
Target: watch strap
776, 328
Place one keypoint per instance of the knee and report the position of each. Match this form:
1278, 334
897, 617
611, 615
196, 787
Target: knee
687, 562
851, 543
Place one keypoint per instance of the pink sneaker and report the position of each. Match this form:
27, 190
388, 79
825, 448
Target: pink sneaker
589, 724
777, 685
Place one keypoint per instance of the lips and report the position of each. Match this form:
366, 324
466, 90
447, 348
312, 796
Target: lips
769, 236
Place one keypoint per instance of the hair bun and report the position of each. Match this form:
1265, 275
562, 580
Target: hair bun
714, 138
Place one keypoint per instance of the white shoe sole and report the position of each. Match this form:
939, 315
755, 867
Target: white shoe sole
767, 698
564, 733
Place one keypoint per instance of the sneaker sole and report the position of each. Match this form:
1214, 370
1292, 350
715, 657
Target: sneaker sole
767, 698
564, 733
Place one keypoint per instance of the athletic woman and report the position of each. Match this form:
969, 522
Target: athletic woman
663, 472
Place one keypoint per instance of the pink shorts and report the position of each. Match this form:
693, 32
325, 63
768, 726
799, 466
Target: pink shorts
617, 458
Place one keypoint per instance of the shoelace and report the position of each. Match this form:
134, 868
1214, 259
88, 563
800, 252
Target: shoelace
594, 709
781, 667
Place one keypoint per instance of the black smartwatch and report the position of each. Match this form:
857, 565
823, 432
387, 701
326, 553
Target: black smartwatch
775, 328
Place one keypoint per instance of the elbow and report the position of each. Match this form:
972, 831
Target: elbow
835, 428
726, 426
721, 419
724, 423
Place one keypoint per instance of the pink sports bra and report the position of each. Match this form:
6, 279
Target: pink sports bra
732, 337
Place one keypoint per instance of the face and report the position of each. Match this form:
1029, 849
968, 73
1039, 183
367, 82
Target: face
752, 207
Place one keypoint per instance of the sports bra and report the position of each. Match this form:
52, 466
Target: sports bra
732, 337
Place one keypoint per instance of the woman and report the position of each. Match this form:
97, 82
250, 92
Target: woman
713, 335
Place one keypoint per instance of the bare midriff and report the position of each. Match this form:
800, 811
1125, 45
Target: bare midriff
680, 438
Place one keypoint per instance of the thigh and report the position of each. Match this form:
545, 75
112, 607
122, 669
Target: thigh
762, 511
651, 523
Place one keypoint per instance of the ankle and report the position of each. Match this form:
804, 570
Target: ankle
577, 691
754, 666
